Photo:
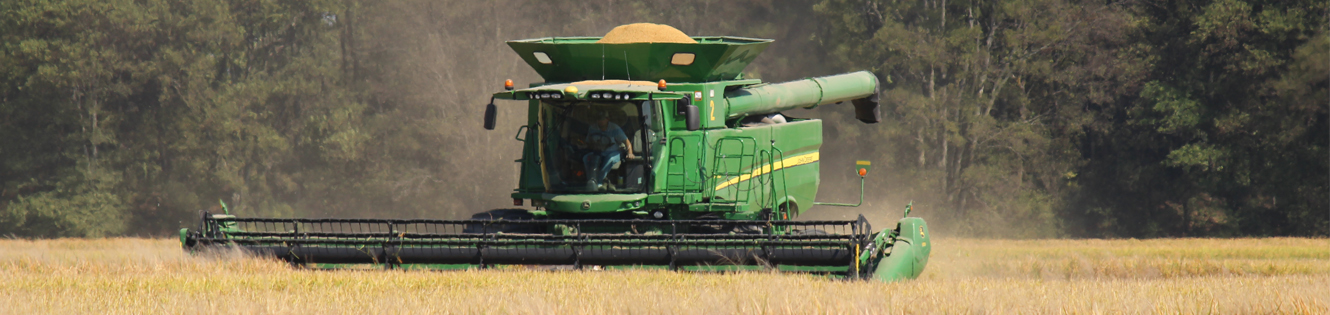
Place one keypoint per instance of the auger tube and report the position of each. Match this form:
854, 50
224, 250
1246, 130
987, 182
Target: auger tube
806, 93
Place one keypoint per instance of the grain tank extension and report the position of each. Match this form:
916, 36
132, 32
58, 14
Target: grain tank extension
643, 148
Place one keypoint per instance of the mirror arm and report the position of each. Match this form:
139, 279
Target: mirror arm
861, 198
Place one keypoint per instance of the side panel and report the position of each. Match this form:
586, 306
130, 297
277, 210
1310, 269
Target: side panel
908, 255
801, 143
785, 159
710, 101
739, 168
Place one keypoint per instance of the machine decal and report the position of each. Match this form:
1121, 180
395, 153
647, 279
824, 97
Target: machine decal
787, 162
713, 109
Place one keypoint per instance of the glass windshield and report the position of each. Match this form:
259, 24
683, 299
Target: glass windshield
595, 147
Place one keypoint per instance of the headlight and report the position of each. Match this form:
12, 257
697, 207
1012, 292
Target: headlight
595, 95
556, 95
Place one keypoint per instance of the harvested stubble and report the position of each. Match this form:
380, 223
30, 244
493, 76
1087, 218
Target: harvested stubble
965, 276
645, 33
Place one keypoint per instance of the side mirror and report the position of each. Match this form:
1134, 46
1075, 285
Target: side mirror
684, 107
692, 120
491, 112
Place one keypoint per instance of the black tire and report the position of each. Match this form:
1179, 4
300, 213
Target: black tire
506, 215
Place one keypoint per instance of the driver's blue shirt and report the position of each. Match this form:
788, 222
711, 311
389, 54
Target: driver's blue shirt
611, 133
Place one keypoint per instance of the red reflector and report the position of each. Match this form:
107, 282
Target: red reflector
517, 201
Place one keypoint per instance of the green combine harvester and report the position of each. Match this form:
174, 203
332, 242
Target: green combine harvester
638, 154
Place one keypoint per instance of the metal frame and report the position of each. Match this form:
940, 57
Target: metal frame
672, 243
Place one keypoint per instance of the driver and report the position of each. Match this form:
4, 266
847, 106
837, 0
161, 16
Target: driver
603, 138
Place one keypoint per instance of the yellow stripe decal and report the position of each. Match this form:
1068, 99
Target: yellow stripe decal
787, 162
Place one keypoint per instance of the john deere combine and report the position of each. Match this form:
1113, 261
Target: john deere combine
635, 153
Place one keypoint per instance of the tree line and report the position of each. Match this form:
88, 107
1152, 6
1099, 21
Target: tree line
1011, 118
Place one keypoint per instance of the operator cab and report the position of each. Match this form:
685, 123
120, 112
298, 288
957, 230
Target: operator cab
586, 144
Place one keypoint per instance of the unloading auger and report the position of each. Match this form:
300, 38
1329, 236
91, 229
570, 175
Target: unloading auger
636, 152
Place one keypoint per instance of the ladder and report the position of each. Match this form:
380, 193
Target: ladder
676, 171
732, 166
774, 179
737, 163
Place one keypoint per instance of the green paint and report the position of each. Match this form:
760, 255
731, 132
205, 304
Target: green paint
908, 255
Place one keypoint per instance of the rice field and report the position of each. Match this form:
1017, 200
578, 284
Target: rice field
1173, 276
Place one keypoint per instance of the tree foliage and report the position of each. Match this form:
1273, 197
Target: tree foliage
1018, 118
987, 98
140, 112
1227, 134
1052, 117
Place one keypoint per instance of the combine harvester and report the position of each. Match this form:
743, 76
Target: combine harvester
643, 148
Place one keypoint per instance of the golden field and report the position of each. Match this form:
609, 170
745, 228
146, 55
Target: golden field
1187, 276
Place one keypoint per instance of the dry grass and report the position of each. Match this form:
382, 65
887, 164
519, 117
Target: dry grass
1280, 275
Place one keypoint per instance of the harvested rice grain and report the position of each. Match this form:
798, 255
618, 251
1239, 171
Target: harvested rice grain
645, 33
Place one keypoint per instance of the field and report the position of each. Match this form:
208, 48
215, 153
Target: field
1188, 276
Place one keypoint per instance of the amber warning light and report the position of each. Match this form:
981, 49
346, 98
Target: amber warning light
862, 167
661, 85
508, 84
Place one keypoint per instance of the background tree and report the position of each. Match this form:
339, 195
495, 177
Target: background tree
1015, 118
986, 99
1227, 136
